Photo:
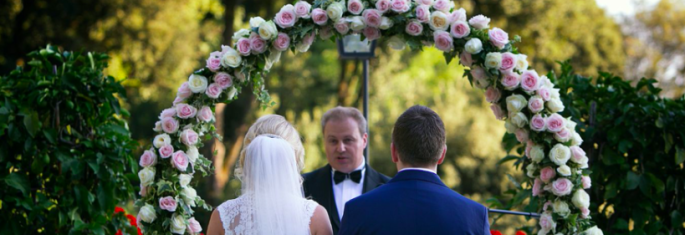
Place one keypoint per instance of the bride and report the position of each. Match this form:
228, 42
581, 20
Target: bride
271, 201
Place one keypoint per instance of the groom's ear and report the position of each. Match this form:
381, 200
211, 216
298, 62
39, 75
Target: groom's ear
442, 156
393, 153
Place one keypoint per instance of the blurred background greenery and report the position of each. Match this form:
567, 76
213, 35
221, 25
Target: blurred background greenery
155, 45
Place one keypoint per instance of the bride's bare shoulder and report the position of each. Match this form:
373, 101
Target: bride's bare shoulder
320, 224
215, 226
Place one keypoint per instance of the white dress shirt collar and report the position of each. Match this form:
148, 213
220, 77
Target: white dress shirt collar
418, 169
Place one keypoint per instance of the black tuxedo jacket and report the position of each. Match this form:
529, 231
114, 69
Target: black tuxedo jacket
318, 186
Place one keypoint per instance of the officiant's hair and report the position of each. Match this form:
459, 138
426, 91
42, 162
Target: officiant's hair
419, 136
340, 113
276, 125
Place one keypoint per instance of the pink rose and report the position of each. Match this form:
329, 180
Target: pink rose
372, 33
460, 29
383, 5
166, 151
443, 40
529, 145
562, 187
457, 15
577, 153
538, 123
530, 81
319, 16
492, 94
302, 9
480, 22
355, 7
478, 73
178, 100
372, 18
180, 160
442, 5
414, 28
213, 91
546, 205
399, 6
243, 46
555, 123
325, 32
282, 42
205, 114
167, 203
286, 18
342, 27
214, 61
169, 125
545, 93
257, 45
546, 222
194, 226
547, 174
508, 62
511, 81
224, 80
184, 91
423, 13
584, 212
563, 135
536, 104
587, 182
537, 187
142, 193
148, 158
498, 37
185, 111
466, 59
170, 112
497, 110
424, 2
521, 135
189, 137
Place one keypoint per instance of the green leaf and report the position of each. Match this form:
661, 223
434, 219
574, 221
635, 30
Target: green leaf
656, 182
632, 180
676, 218
679, 155
507, 158
31, 123
19, 182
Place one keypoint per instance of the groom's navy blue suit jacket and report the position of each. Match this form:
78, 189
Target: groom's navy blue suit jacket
414, 202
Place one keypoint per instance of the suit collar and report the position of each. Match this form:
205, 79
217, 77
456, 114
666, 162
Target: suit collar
328, 201
410, 174
371, 179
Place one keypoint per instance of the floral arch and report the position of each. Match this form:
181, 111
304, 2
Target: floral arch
527, 102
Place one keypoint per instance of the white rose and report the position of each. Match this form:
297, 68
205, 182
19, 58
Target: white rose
184, 179
189, 194
521, 62
546, 82
396, 42
519, 120
537, 154
256, 21
386, 23
576, 140
193, 154
593, 231
231, 93
554, 105
438, 21
231, 58
581, 199
530, 170
335, 11
561, 208
147, 213
493, 60
560, 154
147, 176
197, 83
273, 58
515, 103
474, 46
564, 170
241, 34
240, 76
510, 127
267, 30
554, 93
161, 140
178, 224
356, 23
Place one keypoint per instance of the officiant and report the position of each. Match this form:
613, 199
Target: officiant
347, 174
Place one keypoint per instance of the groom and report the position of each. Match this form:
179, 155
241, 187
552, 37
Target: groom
415, 201
347, 174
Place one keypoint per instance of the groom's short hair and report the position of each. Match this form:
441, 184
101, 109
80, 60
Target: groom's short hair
419, 136
341, 113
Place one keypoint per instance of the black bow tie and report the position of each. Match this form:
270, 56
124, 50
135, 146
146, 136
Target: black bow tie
355, 176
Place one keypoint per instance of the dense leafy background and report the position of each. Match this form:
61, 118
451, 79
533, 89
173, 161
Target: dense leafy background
66, 150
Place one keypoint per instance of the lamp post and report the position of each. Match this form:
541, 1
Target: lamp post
351, 47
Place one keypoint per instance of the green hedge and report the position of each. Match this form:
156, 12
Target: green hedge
65, 148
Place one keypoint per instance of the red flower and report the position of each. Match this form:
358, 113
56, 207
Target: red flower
132, 220
521, 233
118, 210
495, 232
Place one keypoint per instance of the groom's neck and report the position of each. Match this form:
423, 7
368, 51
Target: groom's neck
401, 166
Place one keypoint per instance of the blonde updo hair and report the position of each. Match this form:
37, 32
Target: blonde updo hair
276, 125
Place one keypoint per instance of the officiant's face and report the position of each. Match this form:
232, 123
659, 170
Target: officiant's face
344, 144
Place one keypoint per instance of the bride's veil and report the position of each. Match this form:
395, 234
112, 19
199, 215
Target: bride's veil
272, 181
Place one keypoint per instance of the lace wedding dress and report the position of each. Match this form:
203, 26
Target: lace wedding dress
237, 216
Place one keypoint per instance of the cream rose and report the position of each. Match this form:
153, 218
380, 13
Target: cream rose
560, 154
267, 30
241, 34
564, 170
555, 105
184, 179
561, 208
516, 103
576, 140
581, 199
474, 46
510, 127
256, 21
197, 83
335, 11
147, 176
147, 213
161, 140
593, 231
192, 154
438, 21
178, 224
231, 58
189, 194
537, 154
519, 119
530, 170
521, 62
386, 23
356, 23
397, 43
493, 60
